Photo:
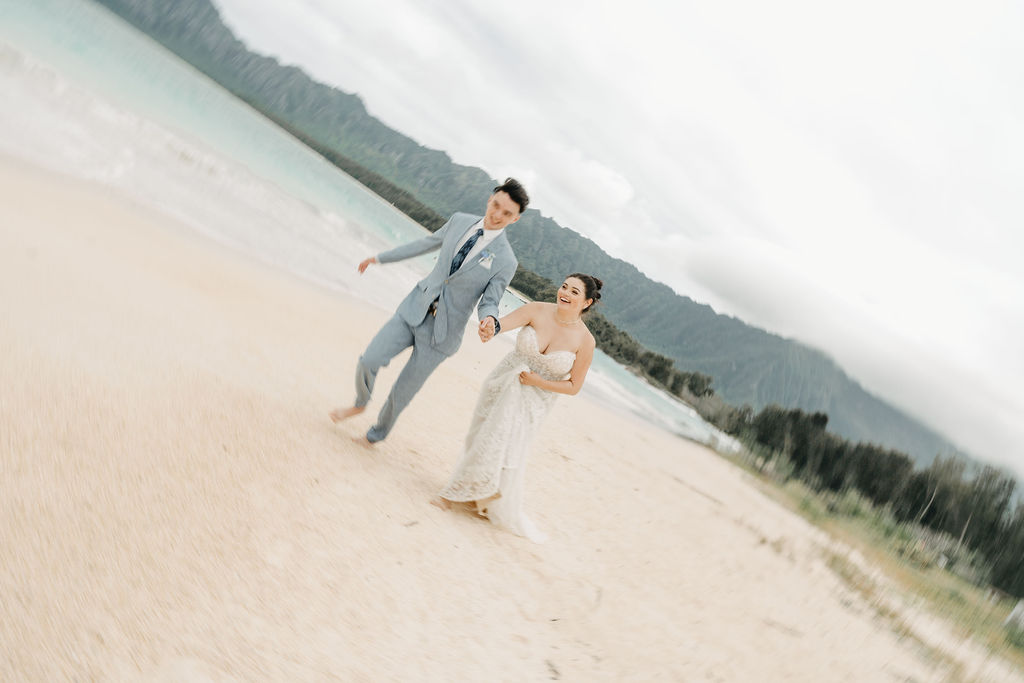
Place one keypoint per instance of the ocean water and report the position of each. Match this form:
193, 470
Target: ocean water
87, 95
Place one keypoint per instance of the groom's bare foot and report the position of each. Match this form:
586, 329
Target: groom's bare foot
363, 441
339, 414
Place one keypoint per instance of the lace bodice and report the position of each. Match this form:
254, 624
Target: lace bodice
553, 365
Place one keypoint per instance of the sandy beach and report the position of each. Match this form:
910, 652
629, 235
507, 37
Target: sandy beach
176, 505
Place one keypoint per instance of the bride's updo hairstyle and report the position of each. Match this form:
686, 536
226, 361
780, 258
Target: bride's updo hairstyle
591, 286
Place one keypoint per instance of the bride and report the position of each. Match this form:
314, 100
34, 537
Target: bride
553, 352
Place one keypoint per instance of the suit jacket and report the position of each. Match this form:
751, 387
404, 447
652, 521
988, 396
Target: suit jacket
483, 279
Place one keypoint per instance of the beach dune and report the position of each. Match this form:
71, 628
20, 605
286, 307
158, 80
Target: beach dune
176, 505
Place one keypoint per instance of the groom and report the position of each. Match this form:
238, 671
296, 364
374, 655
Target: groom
475, 263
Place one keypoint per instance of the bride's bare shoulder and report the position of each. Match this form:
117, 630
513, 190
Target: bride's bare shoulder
539, 308
587, 341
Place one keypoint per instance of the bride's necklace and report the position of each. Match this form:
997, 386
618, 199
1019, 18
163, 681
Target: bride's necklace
566, 324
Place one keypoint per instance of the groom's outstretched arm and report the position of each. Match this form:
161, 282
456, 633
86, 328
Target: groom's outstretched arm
423, 245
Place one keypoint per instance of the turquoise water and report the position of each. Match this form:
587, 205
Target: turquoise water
91, 46
87, 95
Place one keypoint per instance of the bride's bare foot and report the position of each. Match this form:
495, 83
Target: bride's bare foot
442, 503
477, 507
339, 414
481, 505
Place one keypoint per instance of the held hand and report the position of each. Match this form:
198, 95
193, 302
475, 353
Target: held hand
486, 329
530, 379
365, 263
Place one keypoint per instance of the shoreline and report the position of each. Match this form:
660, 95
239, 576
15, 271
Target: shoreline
175, 502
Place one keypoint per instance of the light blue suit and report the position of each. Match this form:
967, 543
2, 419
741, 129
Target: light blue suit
483, 279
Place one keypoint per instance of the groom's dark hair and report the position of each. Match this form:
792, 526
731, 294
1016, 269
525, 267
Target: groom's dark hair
515, 191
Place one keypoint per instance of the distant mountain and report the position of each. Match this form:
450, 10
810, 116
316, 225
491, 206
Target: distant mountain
749, 365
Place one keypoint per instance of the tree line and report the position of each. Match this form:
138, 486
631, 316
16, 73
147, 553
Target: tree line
978, 511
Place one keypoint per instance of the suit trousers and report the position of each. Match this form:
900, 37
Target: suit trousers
396, 336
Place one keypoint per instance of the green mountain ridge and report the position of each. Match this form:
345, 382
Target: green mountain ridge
749, 365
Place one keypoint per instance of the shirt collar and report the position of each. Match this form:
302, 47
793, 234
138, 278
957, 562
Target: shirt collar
488, 234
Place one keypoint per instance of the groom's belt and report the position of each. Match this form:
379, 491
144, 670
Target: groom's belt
432, 309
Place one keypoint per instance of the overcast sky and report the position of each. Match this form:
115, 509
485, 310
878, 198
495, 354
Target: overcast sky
846, 174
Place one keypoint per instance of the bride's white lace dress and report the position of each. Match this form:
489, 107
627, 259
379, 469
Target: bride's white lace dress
508, 414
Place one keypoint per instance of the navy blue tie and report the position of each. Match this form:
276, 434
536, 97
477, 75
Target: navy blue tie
466, 248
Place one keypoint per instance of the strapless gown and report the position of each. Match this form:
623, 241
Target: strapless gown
508, 415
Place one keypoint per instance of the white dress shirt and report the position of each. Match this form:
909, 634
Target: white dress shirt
481, 244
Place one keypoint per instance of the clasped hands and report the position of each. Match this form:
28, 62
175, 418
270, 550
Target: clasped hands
486, 329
